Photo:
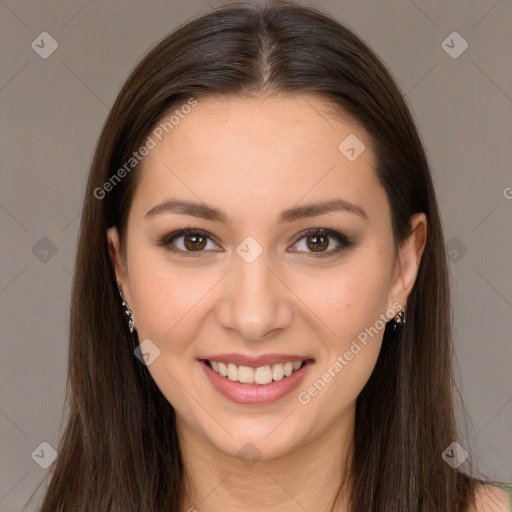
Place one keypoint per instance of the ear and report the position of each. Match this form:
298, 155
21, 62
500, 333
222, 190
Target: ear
409, 259
118, 263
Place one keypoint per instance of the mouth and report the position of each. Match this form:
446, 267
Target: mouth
260, 375
258, 384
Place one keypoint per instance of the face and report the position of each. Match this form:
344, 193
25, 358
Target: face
262, 279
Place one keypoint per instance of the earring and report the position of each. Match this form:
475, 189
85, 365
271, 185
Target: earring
128, 312
400, 318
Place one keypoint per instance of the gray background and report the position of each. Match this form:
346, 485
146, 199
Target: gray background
52, 111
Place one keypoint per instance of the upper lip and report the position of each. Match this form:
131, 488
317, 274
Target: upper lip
255, 362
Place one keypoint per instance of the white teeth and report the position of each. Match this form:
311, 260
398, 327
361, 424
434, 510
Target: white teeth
232, 372
223, 369
261, 375
277, 371
245, 374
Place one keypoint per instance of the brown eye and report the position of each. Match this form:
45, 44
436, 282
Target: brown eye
194, 242
187, 242
317, 243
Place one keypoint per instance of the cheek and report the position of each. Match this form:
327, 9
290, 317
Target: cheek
350, 310
167, 300
347, 299
351, 303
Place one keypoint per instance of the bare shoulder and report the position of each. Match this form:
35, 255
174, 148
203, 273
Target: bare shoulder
490, 498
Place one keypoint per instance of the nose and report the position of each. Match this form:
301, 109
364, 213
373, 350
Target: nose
255, 301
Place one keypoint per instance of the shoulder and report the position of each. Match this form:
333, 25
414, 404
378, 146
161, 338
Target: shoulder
492, 498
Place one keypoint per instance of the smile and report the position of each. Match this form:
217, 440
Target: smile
260, 375
258, 383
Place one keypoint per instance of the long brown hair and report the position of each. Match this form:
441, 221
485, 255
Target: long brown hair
119, 451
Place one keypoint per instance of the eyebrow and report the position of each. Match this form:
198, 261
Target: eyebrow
204, 211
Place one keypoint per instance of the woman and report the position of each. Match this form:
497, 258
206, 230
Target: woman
260, 312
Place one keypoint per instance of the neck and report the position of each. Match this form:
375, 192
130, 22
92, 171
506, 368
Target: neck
313, 477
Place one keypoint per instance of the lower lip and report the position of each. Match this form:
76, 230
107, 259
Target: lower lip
256, 393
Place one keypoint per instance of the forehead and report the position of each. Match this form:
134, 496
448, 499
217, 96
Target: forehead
235, 152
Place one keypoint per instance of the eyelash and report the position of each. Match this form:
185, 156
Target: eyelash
342, 239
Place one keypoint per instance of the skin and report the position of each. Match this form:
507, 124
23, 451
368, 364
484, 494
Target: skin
489, 498
253, 158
